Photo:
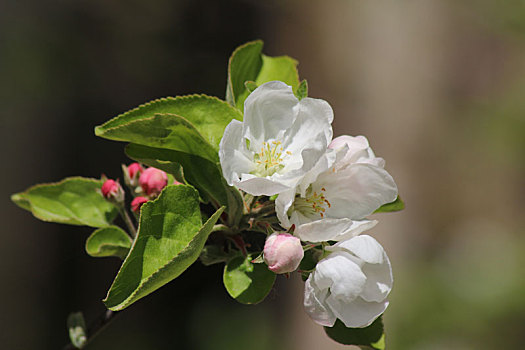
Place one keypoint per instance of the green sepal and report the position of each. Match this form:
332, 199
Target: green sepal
246, 282
73, 201
170, 238
250, 85
108, 241
368, 338
247, 63
204, 175
208, 115
396, 205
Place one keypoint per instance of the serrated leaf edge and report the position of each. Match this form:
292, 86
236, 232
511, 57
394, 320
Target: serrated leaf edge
98, 129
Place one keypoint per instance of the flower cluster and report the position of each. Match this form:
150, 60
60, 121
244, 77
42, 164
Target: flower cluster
145, 184
324, 189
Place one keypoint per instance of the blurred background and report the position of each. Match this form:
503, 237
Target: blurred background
437, 86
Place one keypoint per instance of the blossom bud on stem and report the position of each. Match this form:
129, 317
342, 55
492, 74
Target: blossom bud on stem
283, 252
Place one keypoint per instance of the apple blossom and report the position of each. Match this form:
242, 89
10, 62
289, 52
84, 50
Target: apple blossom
279, 141
283, 252
334, 204
152, 181
350, 284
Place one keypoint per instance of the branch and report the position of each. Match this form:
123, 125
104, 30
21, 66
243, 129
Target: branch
95, 328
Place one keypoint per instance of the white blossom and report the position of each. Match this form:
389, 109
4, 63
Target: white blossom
333, 205
350, 284
280, 140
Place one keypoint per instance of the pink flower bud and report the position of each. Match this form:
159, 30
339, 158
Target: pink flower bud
137, 202
152, 181
283, 252
112, 190
134, 169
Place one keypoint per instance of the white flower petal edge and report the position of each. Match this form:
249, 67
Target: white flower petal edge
280, 140
353, 188
350, 284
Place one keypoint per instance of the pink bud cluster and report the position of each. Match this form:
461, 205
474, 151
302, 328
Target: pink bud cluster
145, 184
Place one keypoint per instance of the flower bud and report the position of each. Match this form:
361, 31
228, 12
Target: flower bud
112, 191
152, 181
137, 202
283, 252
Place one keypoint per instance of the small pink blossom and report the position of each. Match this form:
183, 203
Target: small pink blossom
134, 169
283, 252
152, 181
112, 190
137, 203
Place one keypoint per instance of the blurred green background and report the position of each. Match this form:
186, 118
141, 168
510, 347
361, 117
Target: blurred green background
437, 86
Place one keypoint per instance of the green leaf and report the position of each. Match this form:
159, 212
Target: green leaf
169, 239
108, 241
396, 205
302, 90
247, 63
201, 173
371, 337
244, 64
76, 326
208, 115
74, 201
167, 131
246, 282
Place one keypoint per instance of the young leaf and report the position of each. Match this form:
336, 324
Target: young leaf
247, 63
209, 115
396, 205
169, 239
371, 337
201, 173
246, 282
167, 131
74, 201
302, 90
76, 326
244, 64
108, 241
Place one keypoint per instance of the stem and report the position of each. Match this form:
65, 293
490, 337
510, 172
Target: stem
128, 222
95, 328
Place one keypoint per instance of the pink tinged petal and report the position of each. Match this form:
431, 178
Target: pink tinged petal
268, 111
314, 304
357, 191
341, 274
358, 313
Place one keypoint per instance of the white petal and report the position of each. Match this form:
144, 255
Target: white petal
260, 186
283, 202
364, 247
324, 163
357, 190
341, 274
233, 160
377, 268
268, 111
358, 313
359, 151
313, 304
357, 227
323, 230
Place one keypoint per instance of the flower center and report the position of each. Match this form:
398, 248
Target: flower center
269, 160
313, 205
